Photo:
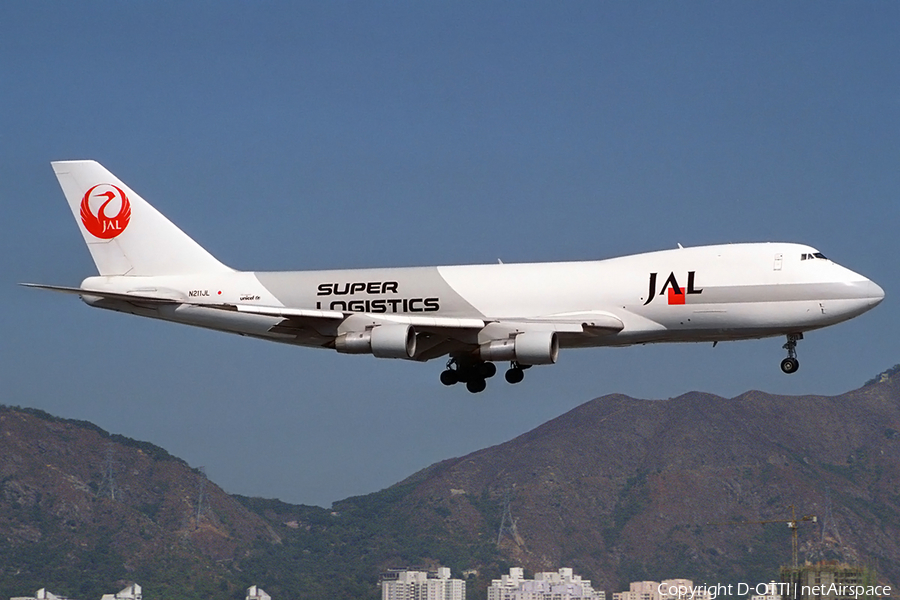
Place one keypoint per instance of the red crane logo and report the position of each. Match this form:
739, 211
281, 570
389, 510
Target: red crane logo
101, 224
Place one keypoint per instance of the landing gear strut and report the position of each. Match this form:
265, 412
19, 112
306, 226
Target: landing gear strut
791, 364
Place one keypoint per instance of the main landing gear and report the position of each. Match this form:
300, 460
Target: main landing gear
474, 373
791, 364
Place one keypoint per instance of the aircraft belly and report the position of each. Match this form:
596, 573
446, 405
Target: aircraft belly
735, 321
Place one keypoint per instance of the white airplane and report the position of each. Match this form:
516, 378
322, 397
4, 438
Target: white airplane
477, 314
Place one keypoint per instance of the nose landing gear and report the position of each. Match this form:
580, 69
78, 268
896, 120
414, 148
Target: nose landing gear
791, 364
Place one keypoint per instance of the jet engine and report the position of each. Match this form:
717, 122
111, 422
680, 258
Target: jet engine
528, 348
383, 341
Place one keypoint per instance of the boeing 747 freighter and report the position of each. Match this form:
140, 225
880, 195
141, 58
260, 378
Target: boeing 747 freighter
476, 315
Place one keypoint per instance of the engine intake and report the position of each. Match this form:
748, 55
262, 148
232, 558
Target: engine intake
383, 341
527, 348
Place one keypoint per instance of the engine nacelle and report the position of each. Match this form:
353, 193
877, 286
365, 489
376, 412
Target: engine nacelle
394, 341
383, 341
528, 348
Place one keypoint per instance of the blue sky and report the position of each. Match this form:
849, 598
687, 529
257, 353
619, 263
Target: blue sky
326, 135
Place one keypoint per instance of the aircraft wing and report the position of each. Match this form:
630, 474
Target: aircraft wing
597, 322
593, 322
437, 335
161, 296
416, 321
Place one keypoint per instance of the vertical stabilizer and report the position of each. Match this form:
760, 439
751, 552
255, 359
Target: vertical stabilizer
127, 236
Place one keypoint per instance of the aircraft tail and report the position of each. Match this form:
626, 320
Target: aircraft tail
127, 236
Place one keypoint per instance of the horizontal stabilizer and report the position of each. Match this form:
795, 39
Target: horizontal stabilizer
136, 297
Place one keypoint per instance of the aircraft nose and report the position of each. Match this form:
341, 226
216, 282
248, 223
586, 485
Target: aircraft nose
875, 293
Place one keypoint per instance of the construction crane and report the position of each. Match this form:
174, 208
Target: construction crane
793, 523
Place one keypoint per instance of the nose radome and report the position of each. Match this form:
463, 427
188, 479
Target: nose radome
875, 293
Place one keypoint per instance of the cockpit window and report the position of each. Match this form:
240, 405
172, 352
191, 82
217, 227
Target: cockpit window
812, 256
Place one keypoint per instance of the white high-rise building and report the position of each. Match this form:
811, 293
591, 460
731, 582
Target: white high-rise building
254, 592
667, 589
682, 589
561, 585
132, 592
41, 594
639, 590
400, 584
773, 592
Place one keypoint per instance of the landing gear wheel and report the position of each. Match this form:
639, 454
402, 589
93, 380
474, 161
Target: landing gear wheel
449, 377
476, 385
790, 365
515, 375
487, 369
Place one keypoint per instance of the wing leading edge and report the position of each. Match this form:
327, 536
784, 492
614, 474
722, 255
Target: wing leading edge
331, 323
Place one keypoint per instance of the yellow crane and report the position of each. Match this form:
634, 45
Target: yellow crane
793, 523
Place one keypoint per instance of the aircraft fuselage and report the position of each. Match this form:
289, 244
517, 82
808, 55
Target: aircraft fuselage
708, 293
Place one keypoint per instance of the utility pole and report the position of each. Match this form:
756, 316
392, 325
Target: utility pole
108, 482
508, 523
201, 493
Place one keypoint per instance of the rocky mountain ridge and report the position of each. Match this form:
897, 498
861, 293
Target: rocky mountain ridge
619, 489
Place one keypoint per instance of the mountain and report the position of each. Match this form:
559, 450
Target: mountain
618, 488
624, 489
83, 511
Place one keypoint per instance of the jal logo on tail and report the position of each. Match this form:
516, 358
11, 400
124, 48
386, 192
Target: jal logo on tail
105, 211
677, 294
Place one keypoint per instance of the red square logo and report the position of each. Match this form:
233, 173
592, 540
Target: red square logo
675, 297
